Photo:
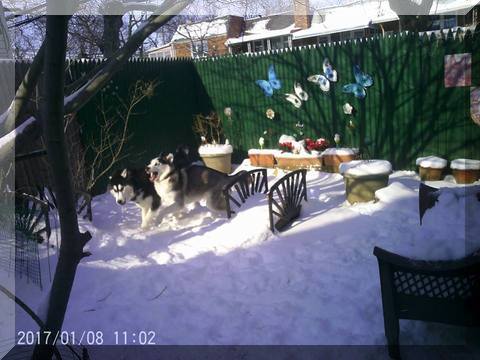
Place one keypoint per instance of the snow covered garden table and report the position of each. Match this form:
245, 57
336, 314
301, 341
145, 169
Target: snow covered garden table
364, 177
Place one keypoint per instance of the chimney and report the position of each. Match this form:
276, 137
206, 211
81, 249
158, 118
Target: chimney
301, 9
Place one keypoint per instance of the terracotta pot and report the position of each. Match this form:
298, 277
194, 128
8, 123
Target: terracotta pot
296, 162
332, 162
430, 174
219, 162
466, 176
362, 188
262, 158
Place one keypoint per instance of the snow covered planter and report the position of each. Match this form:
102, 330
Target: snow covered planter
217, 156
431, 168
290, 161
333, 157
263, 157
364, 177
465, 171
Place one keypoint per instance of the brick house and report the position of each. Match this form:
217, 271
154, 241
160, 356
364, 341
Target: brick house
302, 26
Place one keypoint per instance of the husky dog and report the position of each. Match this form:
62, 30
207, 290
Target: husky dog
134, 185
179, 182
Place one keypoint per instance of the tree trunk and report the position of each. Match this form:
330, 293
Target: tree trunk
111, 34
71, 248
105, 71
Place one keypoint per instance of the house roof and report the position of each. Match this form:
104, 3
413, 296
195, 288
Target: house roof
353, 16
263, 27
159, 48
202, 29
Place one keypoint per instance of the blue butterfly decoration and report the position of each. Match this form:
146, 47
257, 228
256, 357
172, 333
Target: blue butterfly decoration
362, 82
271, 84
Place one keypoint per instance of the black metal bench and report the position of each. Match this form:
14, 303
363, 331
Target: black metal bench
438, 291
285, 199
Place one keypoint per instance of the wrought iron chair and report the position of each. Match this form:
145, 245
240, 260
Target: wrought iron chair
285, 199
243, 186
439, 291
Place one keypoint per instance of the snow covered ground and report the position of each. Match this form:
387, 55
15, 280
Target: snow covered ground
203, 279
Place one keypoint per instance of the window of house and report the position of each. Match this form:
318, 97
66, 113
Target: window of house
322, 39
345, 35
358, 34
280, 42
335, 37
200, 48
444, 22
259, 45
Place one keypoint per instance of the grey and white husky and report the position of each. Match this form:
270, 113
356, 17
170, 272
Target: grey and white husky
179, 182
134, 185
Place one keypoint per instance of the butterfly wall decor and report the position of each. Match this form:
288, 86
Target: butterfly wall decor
268, 86
299, 96
323, 80
362, 82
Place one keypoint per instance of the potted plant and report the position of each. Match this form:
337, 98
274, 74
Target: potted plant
303, 154
333, 157
465, 171
364, 177
262, 157
431, 168
214, 153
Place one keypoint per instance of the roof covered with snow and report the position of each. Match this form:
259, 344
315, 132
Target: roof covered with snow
265, 27
356, 15
202, 30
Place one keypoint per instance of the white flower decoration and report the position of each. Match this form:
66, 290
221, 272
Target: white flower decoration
347, 109
261, 142
270, 114
336, 138
227, 111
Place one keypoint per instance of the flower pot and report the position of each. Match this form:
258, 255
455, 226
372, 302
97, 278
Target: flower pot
364, 178
465, 171
289, 161
431, 168
217, 157
333, 157
262, 157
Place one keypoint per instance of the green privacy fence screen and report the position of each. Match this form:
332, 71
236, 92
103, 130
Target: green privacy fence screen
407, 112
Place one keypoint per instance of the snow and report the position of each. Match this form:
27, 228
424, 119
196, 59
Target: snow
262, 34
203, 279
285, 155
201, 30
465, 164
18, 130
340, 151
432, 162
263, 151
215, 149
353, 16
365, 167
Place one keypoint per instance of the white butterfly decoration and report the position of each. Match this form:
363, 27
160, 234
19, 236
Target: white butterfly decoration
323, 80
299, 96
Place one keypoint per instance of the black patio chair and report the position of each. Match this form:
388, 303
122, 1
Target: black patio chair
439, 291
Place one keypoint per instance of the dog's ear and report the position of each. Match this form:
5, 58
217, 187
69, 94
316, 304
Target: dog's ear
124, 173
169, 158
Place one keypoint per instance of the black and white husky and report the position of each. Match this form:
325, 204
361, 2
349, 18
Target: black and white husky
134, 185
179, 182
